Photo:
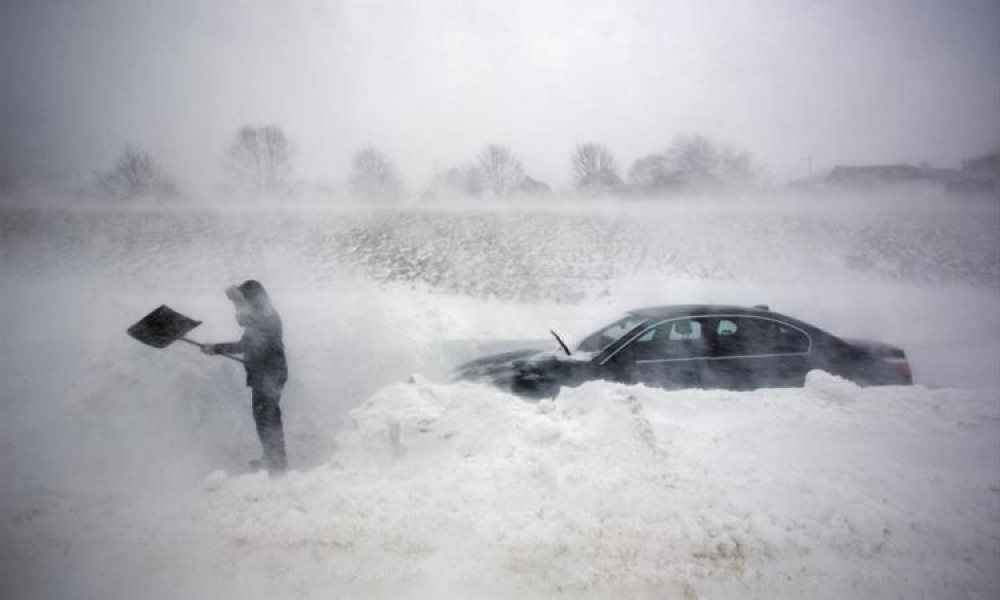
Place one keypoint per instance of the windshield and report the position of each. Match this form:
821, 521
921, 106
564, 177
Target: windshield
606, 336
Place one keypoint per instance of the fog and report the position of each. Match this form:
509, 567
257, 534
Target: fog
802, 86
124, 469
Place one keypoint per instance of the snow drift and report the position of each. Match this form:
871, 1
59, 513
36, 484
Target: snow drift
124, 467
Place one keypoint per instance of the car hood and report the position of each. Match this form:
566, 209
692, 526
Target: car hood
502, 364
527, 362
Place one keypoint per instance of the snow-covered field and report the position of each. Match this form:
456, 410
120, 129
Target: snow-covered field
123, 466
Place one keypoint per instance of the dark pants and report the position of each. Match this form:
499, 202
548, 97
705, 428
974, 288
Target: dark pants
267, 416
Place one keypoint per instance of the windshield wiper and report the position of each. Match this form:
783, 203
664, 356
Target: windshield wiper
559, 339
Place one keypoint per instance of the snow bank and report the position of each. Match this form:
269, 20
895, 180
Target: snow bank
463, 491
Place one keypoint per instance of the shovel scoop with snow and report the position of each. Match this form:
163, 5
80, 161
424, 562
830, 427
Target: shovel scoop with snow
164, 326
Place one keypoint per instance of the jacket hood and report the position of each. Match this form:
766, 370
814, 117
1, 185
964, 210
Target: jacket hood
252, 293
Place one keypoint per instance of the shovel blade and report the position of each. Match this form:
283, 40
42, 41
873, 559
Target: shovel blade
161, 327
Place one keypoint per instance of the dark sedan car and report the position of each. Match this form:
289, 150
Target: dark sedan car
695, 346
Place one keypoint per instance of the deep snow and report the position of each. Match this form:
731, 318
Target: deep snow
123, 466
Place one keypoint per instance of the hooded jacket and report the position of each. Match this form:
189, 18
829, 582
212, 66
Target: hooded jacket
261, 345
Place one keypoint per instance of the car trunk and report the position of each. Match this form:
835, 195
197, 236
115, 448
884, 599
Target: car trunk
892, 355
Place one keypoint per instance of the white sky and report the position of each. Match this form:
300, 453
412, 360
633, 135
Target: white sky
430, 83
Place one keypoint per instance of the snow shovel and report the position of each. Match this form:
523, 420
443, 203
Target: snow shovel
164, 326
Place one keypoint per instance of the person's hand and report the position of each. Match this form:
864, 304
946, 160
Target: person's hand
208, 349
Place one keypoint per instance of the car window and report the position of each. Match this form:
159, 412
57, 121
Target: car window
751, 336
687, 329
730, 337
610, 334
680, 338
789, 339
727, 327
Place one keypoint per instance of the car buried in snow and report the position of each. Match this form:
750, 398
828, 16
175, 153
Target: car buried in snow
694, 346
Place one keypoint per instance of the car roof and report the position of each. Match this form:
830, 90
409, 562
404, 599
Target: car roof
683, 310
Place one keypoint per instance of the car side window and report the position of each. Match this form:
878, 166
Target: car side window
607, 336
730, 337
687, 329
681, 338
727, 327
766, 336
790, 339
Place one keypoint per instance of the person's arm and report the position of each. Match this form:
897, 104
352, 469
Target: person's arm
223, 348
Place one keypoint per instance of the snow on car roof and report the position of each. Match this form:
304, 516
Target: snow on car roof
674, 310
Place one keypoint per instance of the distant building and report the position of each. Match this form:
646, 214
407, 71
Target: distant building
871, 175
980, 174
977, 175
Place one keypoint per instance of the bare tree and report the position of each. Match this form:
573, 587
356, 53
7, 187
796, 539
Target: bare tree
693, 156
260, 158
698, 159
692, 161
595, 169
502, 173
738, 166
533, 187
134, 174
373, 176
648, 172
464, 180
469, 179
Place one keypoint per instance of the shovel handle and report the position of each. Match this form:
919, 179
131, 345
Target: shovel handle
200, 345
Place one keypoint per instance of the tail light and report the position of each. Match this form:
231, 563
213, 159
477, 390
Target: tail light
902, 368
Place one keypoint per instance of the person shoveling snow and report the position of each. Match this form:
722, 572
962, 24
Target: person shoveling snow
263, 358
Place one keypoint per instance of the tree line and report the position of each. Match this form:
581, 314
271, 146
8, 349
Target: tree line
259, 161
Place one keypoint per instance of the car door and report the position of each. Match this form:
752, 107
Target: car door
751, 352
669, 354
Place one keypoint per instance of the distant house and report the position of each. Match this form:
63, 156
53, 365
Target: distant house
980, 174
871, 175
987, 163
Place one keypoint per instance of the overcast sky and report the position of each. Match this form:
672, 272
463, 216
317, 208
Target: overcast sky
431, 82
